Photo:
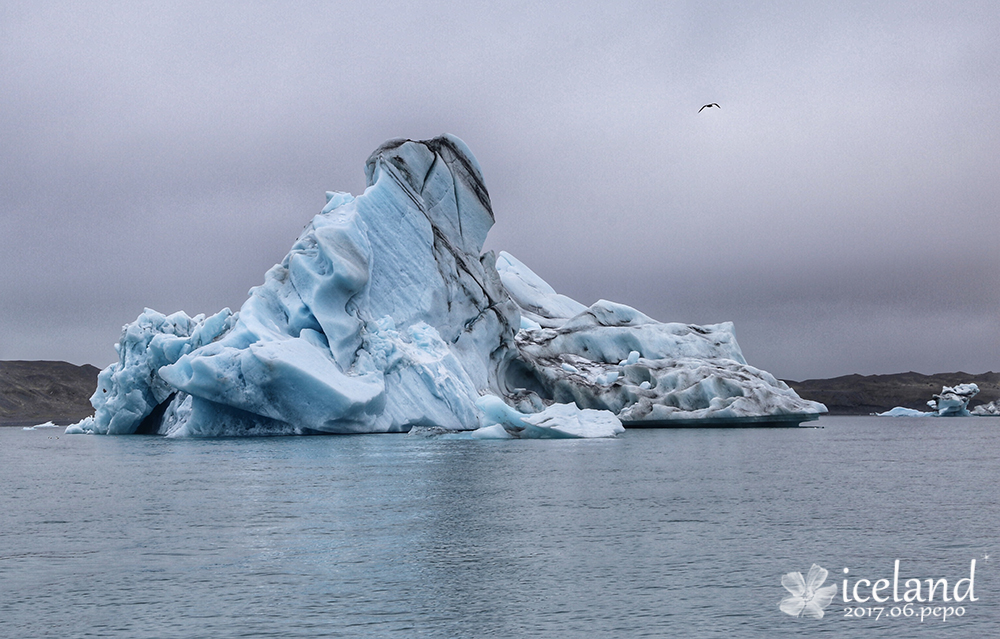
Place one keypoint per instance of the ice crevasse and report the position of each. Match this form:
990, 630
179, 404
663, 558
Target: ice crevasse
386, 316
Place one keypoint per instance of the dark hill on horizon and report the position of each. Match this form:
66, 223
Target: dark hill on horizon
33, 392
865, 394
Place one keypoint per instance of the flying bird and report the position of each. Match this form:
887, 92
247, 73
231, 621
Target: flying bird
709, 105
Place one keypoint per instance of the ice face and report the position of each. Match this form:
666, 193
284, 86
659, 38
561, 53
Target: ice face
385, 316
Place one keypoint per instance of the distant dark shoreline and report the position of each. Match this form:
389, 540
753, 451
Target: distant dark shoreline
865, 394
35, 392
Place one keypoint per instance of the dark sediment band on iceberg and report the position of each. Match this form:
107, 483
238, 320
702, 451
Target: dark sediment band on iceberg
385, 316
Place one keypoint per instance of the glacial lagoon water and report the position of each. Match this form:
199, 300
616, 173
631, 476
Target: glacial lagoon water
657, 533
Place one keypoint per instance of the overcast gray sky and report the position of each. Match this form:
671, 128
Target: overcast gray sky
840, 207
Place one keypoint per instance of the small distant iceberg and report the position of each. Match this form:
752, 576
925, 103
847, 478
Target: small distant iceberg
953, 401
987, 410
902, 411
37, 426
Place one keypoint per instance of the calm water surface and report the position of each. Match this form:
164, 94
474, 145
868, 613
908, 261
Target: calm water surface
657, 533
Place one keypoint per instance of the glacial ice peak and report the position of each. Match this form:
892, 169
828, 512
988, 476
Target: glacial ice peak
445, 179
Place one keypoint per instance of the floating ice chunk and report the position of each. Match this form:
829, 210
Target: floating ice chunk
86, 426
559, 421
496, 431
901, 411
954, 400
567, 420
951, 402
37, 426
987, 410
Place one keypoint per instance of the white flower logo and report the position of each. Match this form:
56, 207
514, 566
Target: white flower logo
807, 598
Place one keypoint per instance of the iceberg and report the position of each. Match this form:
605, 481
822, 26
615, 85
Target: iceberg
387, 316
953, 401
991, 409
37, 426
902, 411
